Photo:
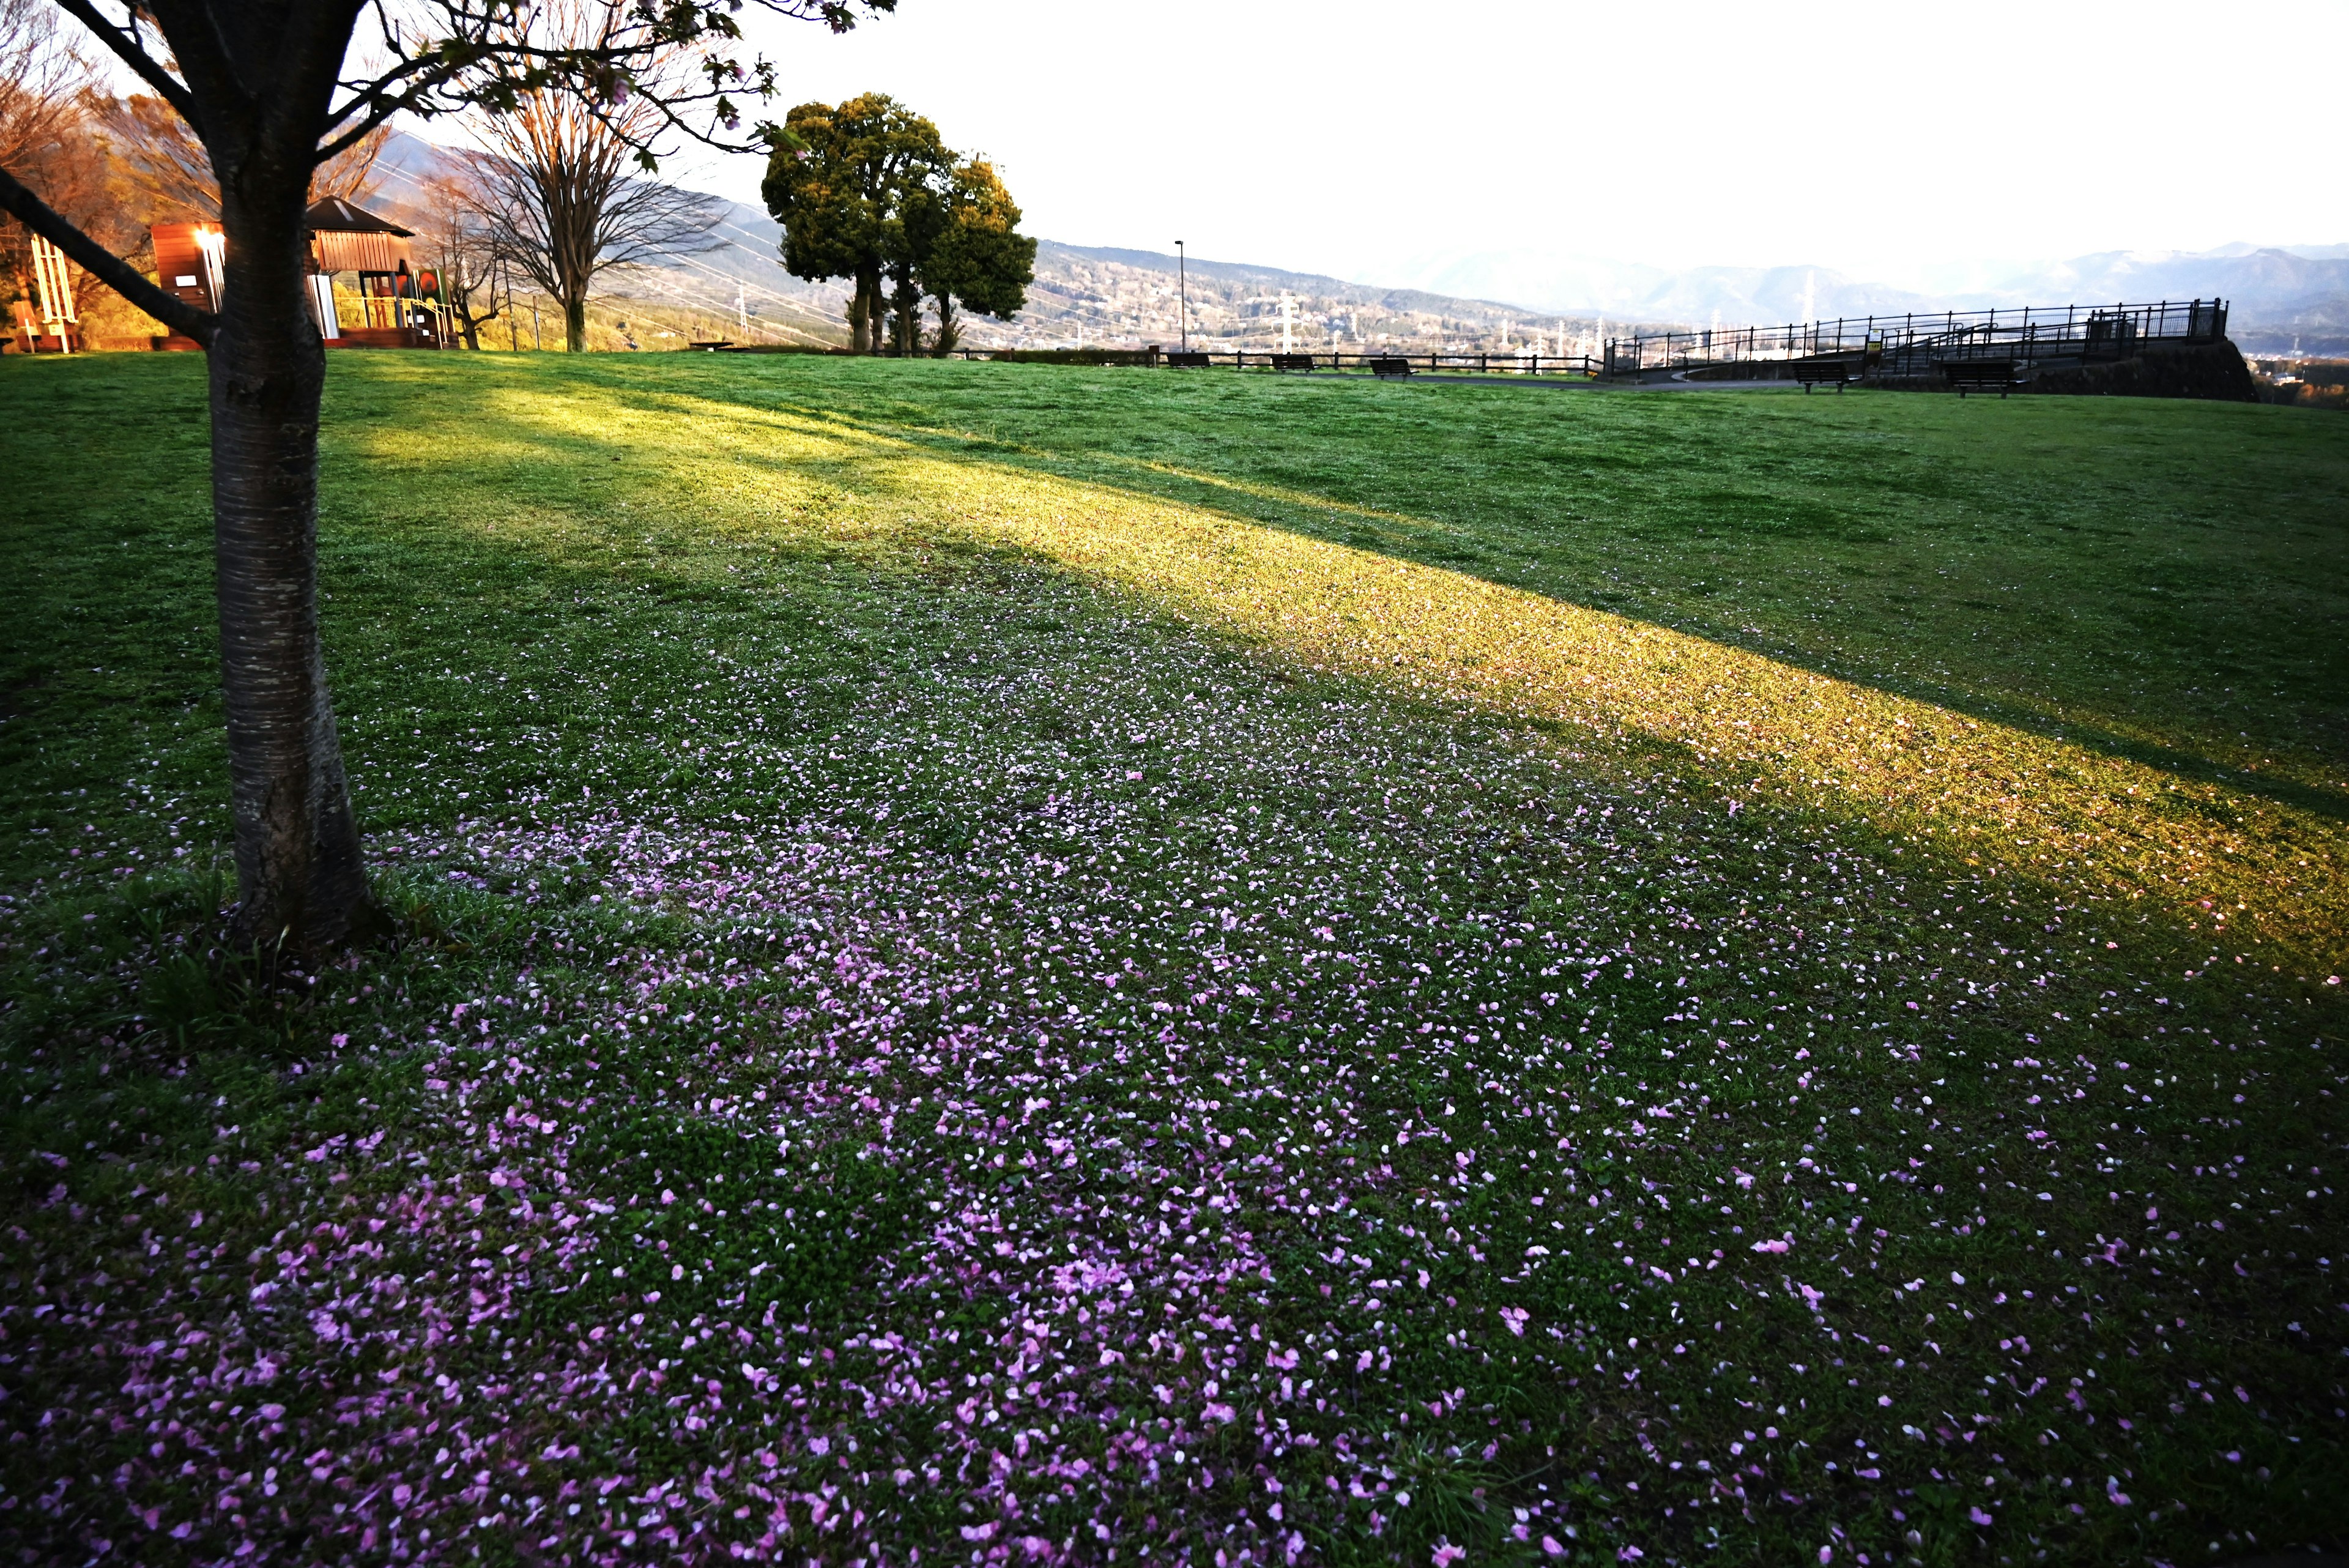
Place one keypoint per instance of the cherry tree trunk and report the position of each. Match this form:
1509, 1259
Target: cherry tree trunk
860, 317
301, 881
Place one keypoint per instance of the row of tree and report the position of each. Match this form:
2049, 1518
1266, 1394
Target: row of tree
868, 191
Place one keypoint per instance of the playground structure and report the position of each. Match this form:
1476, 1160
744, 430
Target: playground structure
1954, 347
57, 328
399, 303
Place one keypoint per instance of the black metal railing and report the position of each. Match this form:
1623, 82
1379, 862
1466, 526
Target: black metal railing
1506, 362
1912, 343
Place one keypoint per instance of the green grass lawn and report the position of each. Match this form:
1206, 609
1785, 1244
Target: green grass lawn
1017, 963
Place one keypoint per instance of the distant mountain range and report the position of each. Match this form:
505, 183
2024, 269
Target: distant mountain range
1463, 301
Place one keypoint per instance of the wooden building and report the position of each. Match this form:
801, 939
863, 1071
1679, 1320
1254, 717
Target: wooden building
345, 241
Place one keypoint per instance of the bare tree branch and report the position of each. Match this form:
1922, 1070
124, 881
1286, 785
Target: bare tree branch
42, 80
199, 54
555, 190
124, 45
489, 55
166, 173
161, 168
464, 251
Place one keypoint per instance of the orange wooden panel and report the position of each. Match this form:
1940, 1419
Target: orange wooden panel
363, 252
179, 264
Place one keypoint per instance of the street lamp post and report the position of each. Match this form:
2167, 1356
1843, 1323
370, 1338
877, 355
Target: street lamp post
1182, 283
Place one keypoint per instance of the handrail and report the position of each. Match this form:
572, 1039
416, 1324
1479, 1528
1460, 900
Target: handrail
1906, 339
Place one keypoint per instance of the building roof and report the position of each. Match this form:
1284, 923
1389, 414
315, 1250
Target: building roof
336, 216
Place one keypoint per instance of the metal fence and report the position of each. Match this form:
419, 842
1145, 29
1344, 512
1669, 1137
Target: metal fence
1913, 344
1578, 366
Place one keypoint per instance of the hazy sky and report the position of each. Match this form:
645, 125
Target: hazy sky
1881, 139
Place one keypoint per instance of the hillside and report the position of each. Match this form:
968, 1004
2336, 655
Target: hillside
1081, 295
1093, 294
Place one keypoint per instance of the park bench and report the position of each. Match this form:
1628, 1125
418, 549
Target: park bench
1285, 363
1836, 373
1389, 365
1981, 376
1187, 358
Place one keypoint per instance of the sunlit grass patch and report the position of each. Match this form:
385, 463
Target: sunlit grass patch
2076, 817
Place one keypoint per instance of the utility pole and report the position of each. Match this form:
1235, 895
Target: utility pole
1182, 283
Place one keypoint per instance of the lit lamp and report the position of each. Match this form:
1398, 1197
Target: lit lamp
212, 245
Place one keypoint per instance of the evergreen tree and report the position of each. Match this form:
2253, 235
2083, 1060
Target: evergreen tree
978, 261
839, 180
868, 191
275, 91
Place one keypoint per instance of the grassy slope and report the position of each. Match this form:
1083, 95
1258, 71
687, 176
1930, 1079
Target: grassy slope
672, 683
2157, 572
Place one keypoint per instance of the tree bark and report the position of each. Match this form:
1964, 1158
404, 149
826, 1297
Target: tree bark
460, 300
301, 882
862, 308
907, 304
575, 323
949, 336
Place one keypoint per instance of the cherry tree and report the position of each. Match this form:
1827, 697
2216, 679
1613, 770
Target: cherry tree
271, 89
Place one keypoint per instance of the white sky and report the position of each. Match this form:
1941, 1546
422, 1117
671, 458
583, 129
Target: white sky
1884, 138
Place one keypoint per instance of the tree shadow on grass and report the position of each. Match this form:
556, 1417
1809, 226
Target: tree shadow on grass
571, 461
461, 574
2085, 811
1777, 499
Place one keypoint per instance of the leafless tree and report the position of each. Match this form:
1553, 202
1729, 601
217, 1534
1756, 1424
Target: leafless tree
463, 249
42, 75
272, 90
45, 96
558, 201
561, 192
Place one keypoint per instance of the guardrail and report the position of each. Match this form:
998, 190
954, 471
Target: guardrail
1912, 343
